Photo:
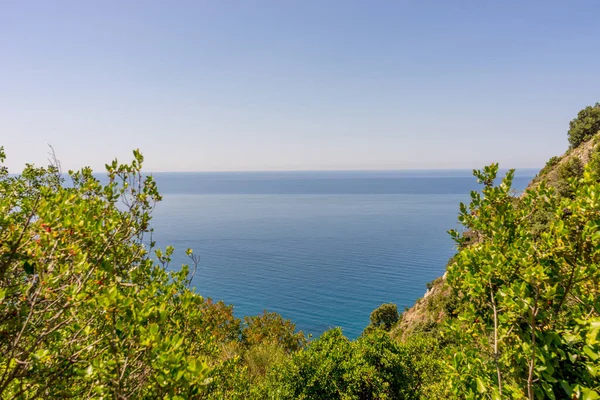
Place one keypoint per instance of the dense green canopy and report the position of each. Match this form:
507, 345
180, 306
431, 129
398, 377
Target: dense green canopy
585, 126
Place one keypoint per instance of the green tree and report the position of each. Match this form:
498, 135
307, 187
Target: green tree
426, 354
332, 367
384, 317
84, 310
530, 323
270, 327
219, 322
585, 125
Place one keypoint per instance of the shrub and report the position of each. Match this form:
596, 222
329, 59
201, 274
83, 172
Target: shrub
85, 311
572, 169
432, 283
531, 327
426, 353
594, 162
585, 126
219, 322
549, 165
332, 367
261, 357
267, 340
384, 317
271, 327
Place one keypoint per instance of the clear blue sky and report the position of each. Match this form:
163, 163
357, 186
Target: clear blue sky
263, 85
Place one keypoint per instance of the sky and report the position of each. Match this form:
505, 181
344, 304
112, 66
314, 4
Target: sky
295, 85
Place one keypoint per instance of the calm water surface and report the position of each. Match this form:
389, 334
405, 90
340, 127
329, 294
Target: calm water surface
321, 248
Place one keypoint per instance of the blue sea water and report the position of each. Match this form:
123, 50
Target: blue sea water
321, 248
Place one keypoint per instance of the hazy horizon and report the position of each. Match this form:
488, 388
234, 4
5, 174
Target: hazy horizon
391, 170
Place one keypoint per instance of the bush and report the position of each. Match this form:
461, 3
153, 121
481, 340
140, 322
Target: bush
261, 357
531, 327
85, 311
586, 125
384, 317
268, 339
219, 322
549, 165
572, 169
332, 367
271, 327
432, 283
594, 162
443, 303
427, 354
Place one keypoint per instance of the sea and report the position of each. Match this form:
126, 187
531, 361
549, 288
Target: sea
323, 249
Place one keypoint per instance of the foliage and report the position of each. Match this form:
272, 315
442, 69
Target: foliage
89, 308
384, 317
268, 339
444, 304
572, 169
270, 327
219, 322
585, 125
552, 161
594, 162
541, 218
427, 353
528, 327
229, 380
332, 367
432, 283
261, 357
84, 311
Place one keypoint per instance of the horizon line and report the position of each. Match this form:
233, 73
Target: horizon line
334, 170
300, 170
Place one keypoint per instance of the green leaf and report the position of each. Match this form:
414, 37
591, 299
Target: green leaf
590, 353
496, 394
480, 385
589, 394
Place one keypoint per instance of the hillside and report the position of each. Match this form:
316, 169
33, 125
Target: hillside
551, 172
440, 300
427, 313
